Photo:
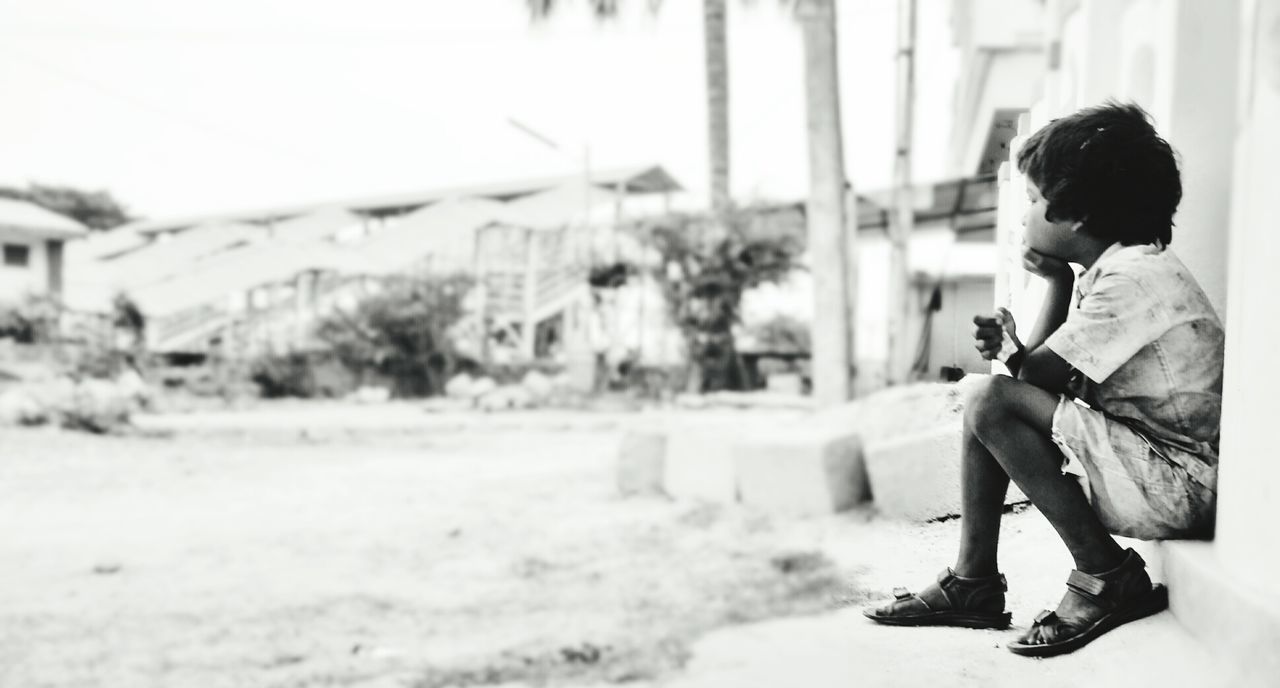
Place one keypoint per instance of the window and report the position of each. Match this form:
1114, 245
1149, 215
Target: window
17, 255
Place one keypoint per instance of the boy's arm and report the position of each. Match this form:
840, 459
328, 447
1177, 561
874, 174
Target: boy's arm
1035, 363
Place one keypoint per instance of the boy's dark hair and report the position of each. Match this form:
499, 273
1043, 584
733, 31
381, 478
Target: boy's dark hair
1107, 167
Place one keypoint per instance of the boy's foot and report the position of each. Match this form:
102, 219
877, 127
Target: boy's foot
1092, 606
951, 601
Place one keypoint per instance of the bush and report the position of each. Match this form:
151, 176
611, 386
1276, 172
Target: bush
32, 320
401, 333
283, 375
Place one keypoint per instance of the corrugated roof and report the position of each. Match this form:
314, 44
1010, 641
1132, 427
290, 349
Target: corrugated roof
108, 244
640, 179
240, 269
444, 231
32, 219
320, 225
169, 256
567, 204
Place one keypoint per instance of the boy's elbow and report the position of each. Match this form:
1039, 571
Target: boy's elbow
1033, 377
1045, 374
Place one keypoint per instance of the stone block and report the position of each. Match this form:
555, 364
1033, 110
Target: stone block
459, 386
97, 406
506, 398
641, 460
801, 471
481, 386
369, 394
19, 407
540, 386
699, 462
785, 383
917, 476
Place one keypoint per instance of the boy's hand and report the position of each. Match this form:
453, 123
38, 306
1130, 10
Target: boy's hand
990, 335
1045, 265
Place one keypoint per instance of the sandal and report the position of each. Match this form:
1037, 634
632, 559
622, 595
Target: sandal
951, 601
1093, 605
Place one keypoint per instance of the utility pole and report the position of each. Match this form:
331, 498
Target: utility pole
832, 332
898, 360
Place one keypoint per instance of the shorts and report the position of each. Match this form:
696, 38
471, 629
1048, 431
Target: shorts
1141, 488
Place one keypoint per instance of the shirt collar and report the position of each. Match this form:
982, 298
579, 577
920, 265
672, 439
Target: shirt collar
1088, 277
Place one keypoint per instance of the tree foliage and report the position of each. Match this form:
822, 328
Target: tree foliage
97, 210
401, 332
706, 264
32, 319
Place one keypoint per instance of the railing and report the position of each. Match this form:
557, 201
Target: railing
558, 280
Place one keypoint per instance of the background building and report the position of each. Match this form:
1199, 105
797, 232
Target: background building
33, 240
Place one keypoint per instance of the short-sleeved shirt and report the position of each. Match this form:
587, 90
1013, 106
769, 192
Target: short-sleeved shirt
1147, 346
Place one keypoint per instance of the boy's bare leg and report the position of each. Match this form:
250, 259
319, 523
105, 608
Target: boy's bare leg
983, 485
1007, 430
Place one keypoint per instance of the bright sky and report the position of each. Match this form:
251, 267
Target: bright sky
182, 108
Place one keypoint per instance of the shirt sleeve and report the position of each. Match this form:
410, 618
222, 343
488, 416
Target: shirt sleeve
1110, 324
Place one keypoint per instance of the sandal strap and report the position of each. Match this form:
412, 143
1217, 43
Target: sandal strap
1090, 586
1102, 590
1046, 616
960, 592
947, 575
902, 594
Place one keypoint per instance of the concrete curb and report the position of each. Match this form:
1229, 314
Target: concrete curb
1238, 622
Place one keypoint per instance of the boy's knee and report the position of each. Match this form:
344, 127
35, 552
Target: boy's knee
988, 403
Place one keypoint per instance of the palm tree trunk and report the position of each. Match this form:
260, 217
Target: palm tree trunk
717, 63
829, 243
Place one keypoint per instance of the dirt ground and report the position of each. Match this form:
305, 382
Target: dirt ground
334, 546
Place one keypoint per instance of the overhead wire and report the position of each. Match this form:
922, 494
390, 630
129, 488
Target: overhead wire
171, 114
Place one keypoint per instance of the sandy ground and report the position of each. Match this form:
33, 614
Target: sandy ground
324, 545
842, 649
300, 545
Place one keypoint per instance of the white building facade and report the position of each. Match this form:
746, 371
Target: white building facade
31, 249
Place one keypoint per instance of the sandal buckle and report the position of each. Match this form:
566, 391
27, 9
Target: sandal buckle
901, 594
1046, 615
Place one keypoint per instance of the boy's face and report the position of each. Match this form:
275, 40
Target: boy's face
1055, 239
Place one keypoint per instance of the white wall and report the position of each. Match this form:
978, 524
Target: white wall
15, 282
1202, 106
1171, 56
1249, 487
1005, 23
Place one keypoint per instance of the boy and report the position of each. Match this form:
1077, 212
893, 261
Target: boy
1109, 423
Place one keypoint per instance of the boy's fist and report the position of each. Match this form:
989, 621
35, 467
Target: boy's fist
996, 336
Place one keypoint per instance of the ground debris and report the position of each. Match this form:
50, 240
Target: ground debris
797, 562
